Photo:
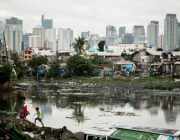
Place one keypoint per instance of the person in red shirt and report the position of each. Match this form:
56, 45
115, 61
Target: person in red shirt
24, 106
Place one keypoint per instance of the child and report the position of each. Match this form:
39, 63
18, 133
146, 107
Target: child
21, 114
25, 112
39, 117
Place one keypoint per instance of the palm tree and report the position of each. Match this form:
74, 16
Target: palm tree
79, 45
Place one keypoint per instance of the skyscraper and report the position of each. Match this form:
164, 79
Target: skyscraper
50, 34
139, 34
170, 32
14, 39
127, 38
39, 31
35, 41
14, 24
122, 30
46, 23
26, 39
179, 34
111, 35
161, 41
64, 39
2, 29
153, 33
85, 34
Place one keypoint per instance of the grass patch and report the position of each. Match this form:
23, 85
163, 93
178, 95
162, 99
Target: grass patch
25, 80
162, 87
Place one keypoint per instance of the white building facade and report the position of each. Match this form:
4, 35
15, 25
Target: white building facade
50, 34
2, 29
111, 36
153, 33
39, 31
48, 44
35, 41
64, 40
170, 32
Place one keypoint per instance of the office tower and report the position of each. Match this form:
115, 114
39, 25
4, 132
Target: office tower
153, 33
93, 40
127, 38
35, 41
14, 24
85, 34
161, 41
179, 34
122, 30
170, 32
14, 40
71, 32
39, 31
64, 39
48, 44
111, 35
26, 39
50, 34
2, 29
46, 23
139, 34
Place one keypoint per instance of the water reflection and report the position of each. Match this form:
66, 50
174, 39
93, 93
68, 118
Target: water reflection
86, 110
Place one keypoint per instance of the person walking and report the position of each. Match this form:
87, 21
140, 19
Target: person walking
60, 133
39, 116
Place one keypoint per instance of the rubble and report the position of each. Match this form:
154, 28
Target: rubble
35, 132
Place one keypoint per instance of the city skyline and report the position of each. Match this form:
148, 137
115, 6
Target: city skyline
82, 16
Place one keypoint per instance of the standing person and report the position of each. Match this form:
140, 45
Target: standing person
24, 107
59, 136
39, 116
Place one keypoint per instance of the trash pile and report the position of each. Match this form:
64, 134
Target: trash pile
125, 114
17, 129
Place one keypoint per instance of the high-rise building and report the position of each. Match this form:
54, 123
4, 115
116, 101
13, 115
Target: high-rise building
2, 29
122, 30
26, 39
139, 34
48, 44
153, 33
64, 39
161, 41
179, 34
71, 31
14, 39
35, 41
111, 36
50, 34
14, 24
127, 38
170, 32
39, 31
46, 23
85, 34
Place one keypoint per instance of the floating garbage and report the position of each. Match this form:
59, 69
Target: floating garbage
125, 114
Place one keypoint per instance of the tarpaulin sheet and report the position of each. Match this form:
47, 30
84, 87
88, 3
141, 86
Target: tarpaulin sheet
128, 66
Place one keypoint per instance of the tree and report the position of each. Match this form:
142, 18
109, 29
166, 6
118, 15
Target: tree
53, 71
177, 50
79, 45
159, 49
36, 61
78, 64
5, 73
101, 46
96, 59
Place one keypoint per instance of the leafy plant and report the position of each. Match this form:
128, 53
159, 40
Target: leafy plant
5, 73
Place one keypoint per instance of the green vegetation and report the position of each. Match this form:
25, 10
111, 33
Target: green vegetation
159, 49
79, 65
101, 46
25, 80
5, 72
79, 45
162, 87
53, 71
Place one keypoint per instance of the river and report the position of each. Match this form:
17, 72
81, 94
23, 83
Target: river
78, 113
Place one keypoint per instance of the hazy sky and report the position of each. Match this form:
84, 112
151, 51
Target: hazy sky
92, 15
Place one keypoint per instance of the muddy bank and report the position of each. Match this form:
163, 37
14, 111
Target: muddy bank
50, 133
